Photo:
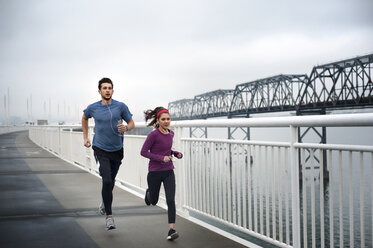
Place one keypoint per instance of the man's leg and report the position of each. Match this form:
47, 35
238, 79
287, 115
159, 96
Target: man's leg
107, 183
105, 161
115, 165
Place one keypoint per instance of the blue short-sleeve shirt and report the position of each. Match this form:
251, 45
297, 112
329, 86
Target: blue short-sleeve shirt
106, 118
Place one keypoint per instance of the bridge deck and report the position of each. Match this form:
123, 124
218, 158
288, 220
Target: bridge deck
47, 202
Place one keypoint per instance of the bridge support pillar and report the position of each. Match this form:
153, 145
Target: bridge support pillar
321, 135
198, 132
246, 131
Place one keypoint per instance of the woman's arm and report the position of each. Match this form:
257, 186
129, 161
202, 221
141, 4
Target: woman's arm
177, 154
145, 150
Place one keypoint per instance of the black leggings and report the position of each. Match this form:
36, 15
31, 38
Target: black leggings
155, 178
109, 166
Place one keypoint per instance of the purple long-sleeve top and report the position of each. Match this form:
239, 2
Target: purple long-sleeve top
156, 146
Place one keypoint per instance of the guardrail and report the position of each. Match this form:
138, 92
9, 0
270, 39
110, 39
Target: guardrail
268, 189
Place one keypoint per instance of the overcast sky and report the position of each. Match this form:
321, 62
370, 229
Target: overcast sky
161, 51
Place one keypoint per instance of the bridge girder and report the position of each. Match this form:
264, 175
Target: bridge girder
180, 109
341, 84
212, 104
277, 93
346, 83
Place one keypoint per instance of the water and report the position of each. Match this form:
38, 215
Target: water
352, 178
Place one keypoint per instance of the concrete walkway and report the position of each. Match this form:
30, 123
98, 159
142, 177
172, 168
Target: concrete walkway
47, 202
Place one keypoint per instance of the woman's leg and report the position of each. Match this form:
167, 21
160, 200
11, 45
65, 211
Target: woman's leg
170, 189
154, 184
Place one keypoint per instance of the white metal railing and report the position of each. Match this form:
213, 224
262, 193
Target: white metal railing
257, 187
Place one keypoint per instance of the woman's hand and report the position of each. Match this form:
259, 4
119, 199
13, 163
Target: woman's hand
167, 159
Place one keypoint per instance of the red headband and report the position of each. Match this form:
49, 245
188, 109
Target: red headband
161, 112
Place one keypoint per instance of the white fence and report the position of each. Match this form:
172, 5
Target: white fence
271, 190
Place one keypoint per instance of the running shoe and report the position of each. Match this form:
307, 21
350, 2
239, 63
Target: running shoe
110, 223
147, 194
101, 209
172, 234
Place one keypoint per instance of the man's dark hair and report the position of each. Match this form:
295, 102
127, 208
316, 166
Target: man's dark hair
105, 80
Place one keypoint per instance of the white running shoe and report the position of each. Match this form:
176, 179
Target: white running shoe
110, 223
101, 209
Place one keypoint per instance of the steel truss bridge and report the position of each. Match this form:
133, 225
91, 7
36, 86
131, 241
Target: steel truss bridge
338, 85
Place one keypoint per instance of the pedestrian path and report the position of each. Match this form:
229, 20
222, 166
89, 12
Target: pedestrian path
47, 202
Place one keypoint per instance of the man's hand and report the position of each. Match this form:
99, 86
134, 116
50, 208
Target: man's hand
122, 128
87, 143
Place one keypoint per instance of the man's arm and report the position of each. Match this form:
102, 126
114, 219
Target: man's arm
130, 125
87, 142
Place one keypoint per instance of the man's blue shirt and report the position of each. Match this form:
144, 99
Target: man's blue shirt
106, 118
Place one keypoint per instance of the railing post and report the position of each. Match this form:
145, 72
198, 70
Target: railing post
180, 176
294, 164
59, 140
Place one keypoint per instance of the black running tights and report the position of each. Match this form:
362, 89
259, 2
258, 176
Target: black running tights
155, 178
109, 166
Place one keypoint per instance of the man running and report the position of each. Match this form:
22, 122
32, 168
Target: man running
107, 141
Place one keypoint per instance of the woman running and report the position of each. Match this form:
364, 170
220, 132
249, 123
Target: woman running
157, 148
